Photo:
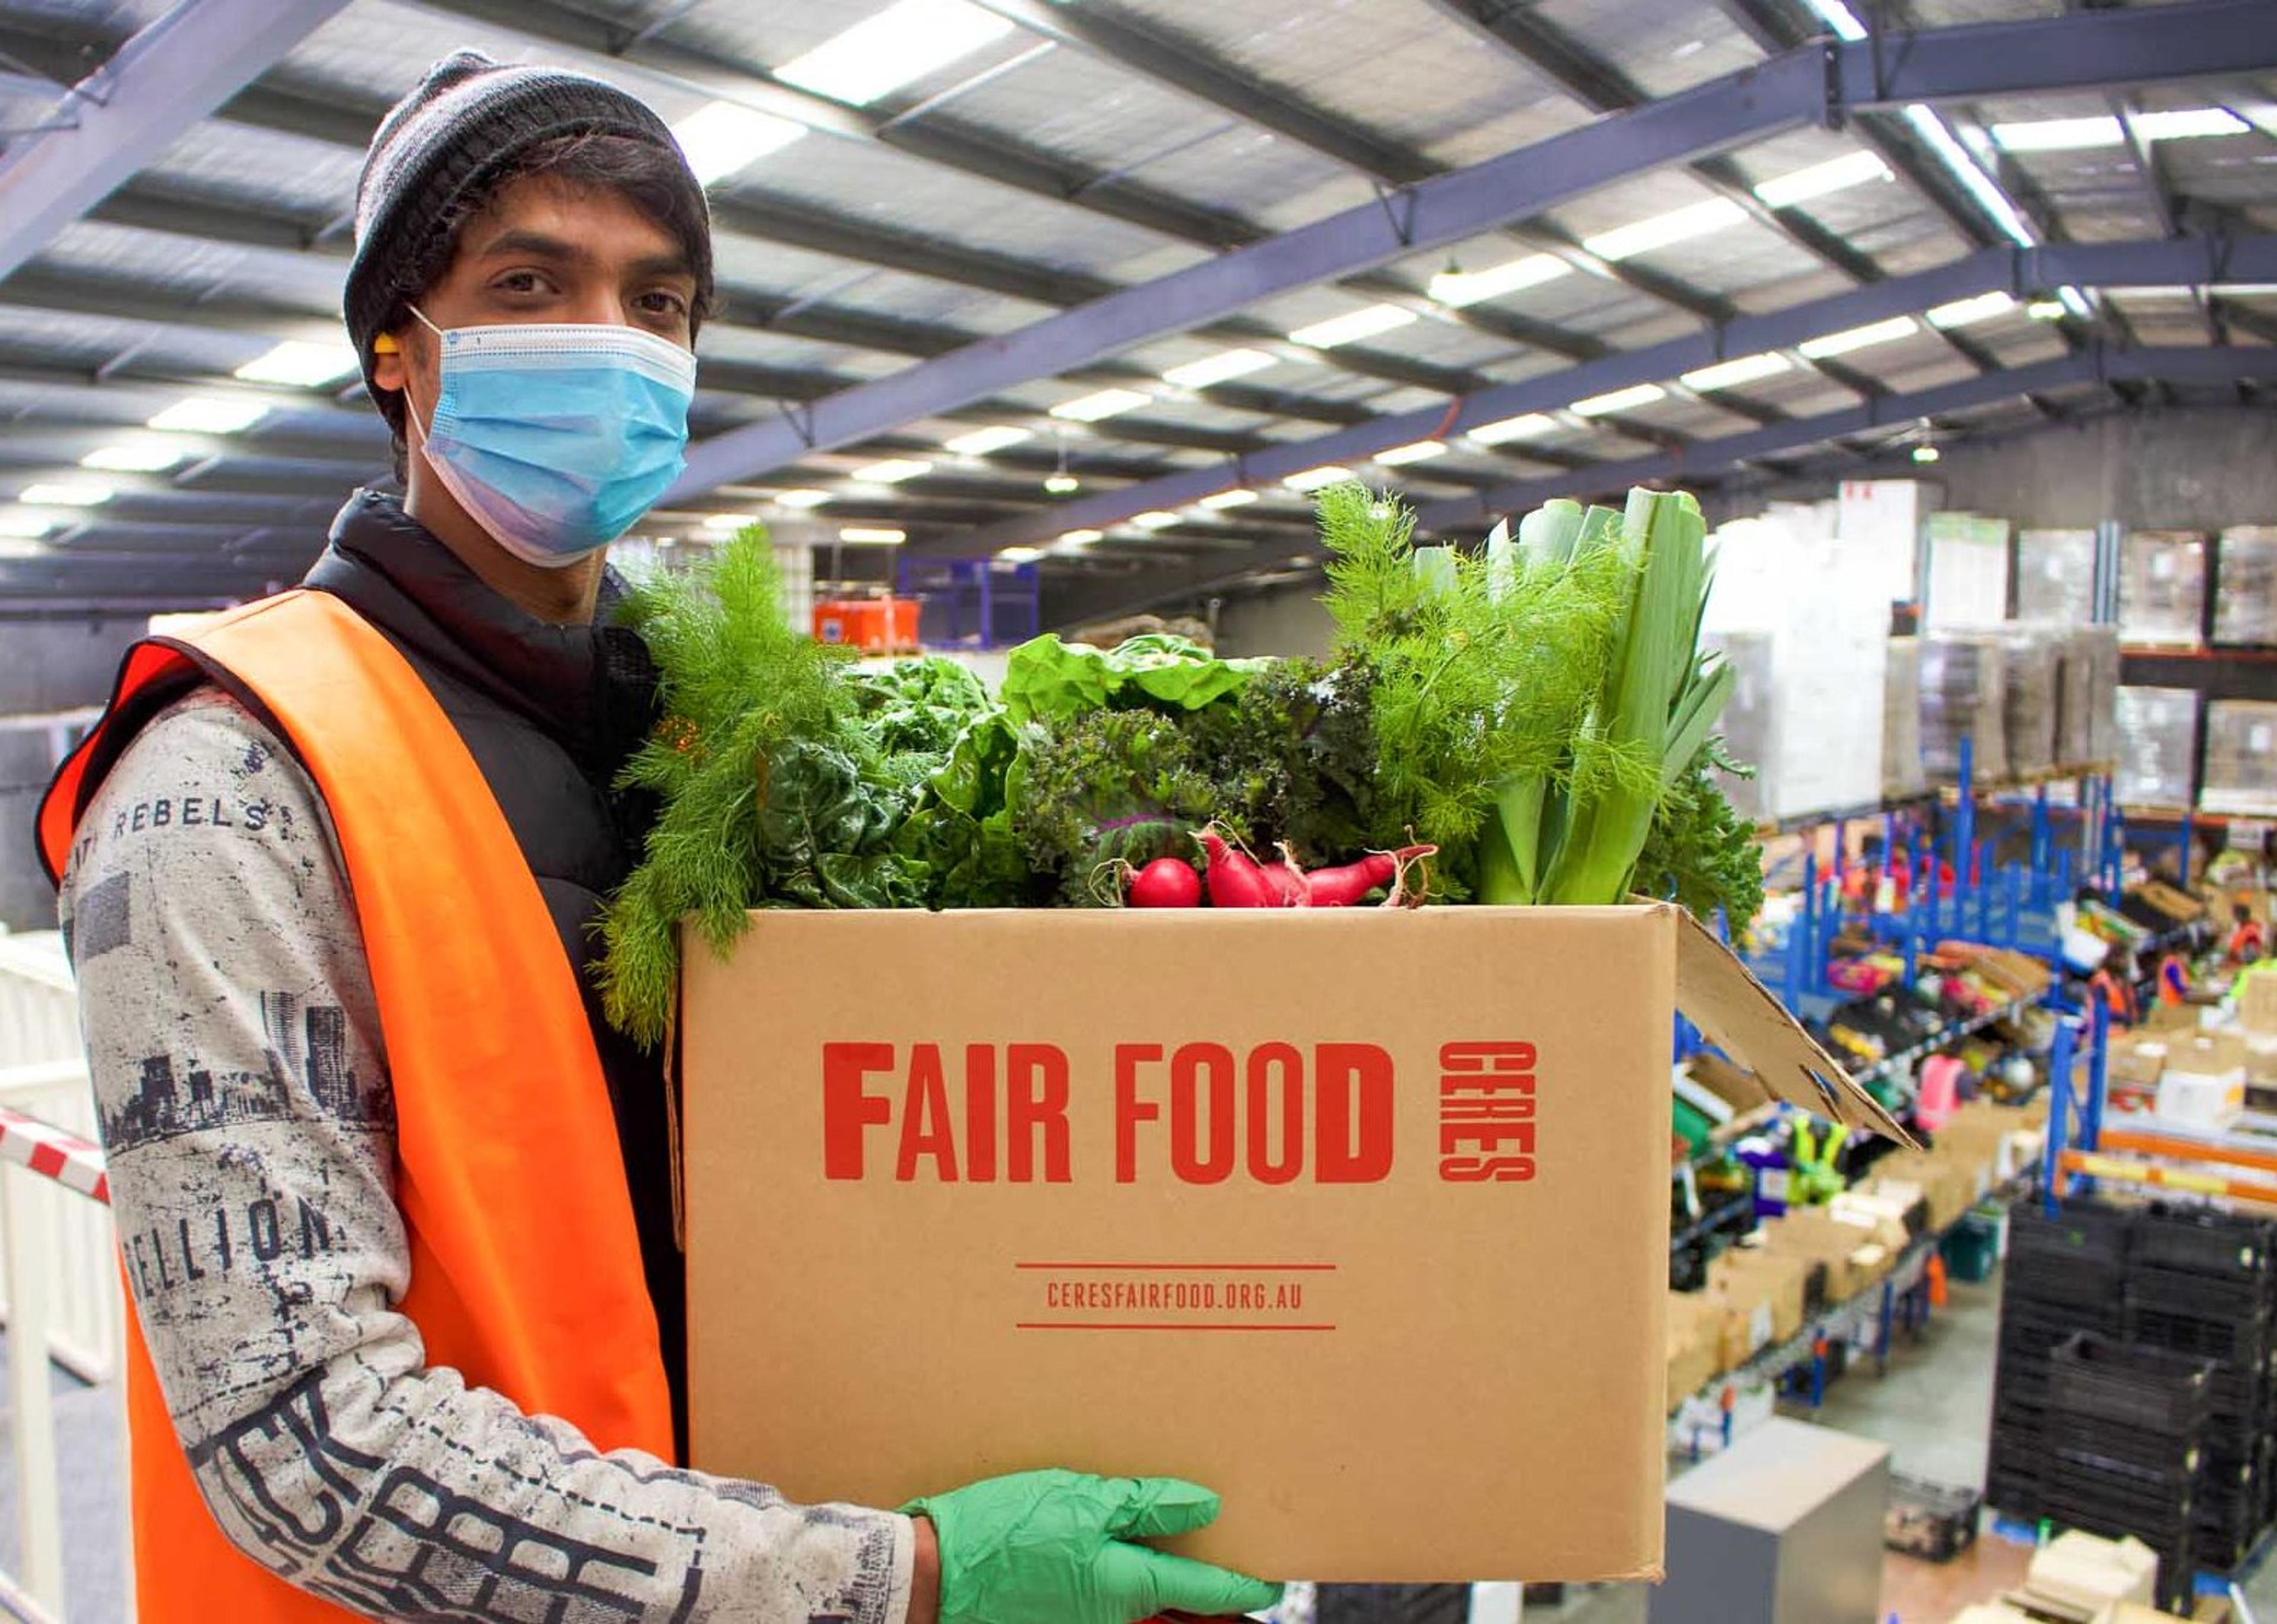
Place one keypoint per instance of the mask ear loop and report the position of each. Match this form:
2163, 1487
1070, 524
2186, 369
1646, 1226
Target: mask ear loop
411, 405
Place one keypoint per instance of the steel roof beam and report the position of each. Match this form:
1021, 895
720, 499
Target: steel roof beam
2095, 364
161, 81
1798, 87
2015, 271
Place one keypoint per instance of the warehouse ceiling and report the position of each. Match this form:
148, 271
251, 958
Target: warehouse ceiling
1106, 284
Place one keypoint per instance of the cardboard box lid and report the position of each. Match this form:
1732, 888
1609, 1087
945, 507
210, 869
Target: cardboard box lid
1741, 1018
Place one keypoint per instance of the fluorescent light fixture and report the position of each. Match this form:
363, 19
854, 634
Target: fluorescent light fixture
210, 414
1106, 403
63, 494
1618, 401
2059, 134
1839, 18
2106, 130
24, 523
1076, 539
1968, 312
1062, 484
1858, 338
1228, 498
1731, 374
296, 360
726, 521
1417, 451
2046, 309
980, 442
905, 41
872, 536
892, 471
1317, 478
1464, 287
1677, 225
1018, 555
1349, 329
1835, 175
720, 138
1217, 369
2190, 124
799, 497
2076, 301
1926, 453
1503, 429
1158, 519
1965, 168
135, 457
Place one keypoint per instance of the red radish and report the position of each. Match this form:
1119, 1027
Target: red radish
1287, 879
1337, 887
1166, 882
1235, 878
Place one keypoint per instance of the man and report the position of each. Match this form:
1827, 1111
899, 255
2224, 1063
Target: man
395, 1203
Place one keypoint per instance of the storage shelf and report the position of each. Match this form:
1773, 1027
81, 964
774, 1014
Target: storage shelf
2216, 652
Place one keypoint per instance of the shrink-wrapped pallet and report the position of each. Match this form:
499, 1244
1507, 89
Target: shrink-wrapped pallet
2096, 647
2158, 744
2028, 700
2162, 588
1963, 698
2055, 576
1902, 745
2245, 586
2241, 757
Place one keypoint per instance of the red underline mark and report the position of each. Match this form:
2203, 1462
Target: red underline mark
1109, 1325
1173, 1267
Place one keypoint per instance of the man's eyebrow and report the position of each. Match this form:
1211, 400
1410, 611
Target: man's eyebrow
523, 240
672, 264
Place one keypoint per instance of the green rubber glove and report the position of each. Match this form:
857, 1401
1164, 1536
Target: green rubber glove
1053, 1548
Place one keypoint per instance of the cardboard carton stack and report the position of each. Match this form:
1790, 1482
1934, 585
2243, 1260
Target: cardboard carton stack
2079, 1578
1750, 720
2055, 576
2162, 588
2158, 746
2241, 757
1964, 696
2245, 585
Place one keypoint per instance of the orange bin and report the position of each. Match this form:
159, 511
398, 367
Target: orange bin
876, 625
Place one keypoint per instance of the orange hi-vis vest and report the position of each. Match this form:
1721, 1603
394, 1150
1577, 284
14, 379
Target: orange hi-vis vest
525, 1264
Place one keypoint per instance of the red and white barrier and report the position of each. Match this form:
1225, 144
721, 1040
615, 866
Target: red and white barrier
71, 1160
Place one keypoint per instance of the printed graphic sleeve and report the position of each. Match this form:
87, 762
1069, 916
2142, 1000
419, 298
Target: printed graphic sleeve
249, 1125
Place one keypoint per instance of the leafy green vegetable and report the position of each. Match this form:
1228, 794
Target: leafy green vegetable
960, 828
772, 793
918, 707
1107, 786
1702, 852
1482, 672
1049, 681
1294, 759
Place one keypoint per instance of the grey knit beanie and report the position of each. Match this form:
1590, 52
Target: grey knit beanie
465, 123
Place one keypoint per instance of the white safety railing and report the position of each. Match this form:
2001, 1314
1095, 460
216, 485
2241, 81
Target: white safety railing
58, 1255
43, 1075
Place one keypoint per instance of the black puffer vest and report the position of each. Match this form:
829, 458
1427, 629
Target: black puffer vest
549, 713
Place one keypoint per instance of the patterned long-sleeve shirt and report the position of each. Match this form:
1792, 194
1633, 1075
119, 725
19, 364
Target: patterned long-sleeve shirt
248, 1119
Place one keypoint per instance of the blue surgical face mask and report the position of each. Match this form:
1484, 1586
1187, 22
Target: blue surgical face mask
556, 437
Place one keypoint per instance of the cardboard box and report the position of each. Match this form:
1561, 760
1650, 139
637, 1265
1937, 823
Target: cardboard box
1781, 1278
2092, 1574
974, 1193
1810, 1235
1695, 1345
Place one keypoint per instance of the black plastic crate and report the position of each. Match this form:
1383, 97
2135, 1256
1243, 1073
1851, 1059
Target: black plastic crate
1929, 1520
2065, 1281
2177, 1290
2012, 1493
2079, 1230
2131, 1385
2202, 1242
2241, 1342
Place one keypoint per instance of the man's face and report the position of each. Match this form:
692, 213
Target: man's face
546, 252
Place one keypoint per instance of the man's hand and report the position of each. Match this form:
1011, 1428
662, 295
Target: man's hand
925, 1576
1054, 1548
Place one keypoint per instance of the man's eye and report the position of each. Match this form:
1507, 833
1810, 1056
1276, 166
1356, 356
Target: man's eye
661, 303
520, 282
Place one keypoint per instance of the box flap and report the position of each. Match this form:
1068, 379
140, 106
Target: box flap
1740, 1017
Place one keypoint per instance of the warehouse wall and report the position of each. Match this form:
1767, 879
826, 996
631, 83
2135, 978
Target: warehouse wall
2177, 469
45, 665
1287, 620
